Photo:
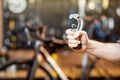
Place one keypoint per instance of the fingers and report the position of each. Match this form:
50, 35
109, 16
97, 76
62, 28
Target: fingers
78, 37
75, 38
73, 43
74, 35
69, 32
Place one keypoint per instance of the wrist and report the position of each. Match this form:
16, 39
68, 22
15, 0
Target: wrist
93, 45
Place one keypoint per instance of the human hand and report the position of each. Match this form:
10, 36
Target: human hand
78, 37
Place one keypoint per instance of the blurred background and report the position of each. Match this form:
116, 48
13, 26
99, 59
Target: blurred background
46, 21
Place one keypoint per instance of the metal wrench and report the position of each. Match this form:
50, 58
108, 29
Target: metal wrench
78, 26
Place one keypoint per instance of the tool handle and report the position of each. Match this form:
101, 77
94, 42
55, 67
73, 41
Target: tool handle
78, 26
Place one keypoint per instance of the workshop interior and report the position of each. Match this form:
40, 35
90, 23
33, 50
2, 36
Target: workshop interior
33, 42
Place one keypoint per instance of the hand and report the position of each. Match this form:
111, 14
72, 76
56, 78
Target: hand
78, 37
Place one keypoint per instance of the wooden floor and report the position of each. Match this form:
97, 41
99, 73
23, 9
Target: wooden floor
70, 62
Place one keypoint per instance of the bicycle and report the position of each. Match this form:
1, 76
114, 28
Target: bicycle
34, 63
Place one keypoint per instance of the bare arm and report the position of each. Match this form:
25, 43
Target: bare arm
108, 51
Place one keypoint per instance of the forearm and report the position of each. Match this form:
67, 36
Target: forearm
108, 51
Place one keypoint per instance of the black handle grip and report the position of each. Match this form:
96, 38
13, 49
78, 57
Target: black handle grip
78, 47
